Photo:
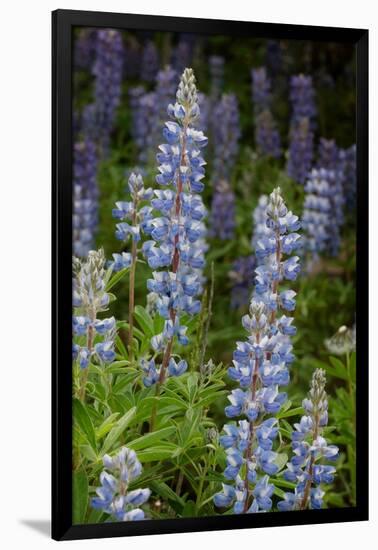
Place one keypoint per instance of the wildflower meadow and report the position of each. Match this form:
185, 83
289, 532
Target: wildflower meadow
214, 257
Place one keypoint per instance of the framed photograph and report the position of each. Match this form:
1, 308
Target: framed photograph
210, 292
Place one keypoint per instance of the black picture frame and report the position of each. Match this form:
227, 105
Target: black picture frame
63, 22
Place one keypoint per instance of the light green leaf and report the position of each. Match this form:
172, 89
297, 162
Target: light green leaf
116, 278
292, 412
150, 439
79, 496
84, 422
117, 430
144, 320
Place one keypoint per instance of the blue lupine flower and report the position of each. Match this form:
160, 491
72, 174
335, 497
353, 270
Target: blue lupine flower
113, 496
301, 149
107, 70
85, 197
260, 365
348, 163
150, 62
216, 67
323, 212
85, 48
302, 97
225, 139
178, 233
176, 369
89, 299
267, 137
310, 447
140, 219
182, 53
328, 154
121, 261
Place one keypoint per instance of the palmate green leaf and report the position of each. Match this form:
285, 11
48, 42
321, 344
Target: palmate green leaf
145, 320
79, 496
148, 440
118, 430
84, 422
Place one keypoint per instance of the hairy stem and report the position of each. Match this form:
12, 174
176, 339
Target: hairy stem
310, 471
248, 454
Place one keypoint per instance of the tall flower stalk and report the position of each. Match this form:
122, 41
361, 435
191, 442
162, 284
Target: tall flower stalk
179, 228
135, 219
310, 448
260, 366
89, 299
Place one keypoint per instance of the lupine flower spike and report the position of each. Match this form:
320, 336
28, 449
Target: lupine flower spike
260, 366
323, 212
98, 118
267, 137
310, 450
226, 147
113, 496
176, 251
85, 202
89, 299
301, 149
136, 219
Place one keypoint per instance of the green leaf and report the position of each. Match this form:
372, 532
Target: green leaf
145, 320
281, 460
116, 278
339, 369
160, 452
117, 430
150, 439
84, 422
164, 491
292, 412
106, 426
79, 496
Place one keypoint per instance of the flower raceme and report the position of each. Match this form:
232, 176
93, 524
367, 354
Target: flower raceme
134, 219
306, 468
176, 250
113, 496
226, 147
301, 149
267, 137
89, 299
260, 367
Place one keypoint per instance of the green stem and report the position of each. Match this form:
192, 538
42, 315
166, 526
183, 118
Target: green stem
90, 341
132, 299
